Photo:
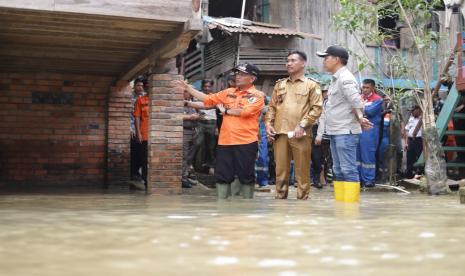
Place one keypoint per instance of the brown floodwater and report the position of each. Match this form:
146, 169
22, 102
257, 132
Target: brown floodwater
134, 234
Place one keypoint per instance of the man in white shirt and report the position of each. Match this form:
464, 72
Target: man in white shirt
343, 122
414, 141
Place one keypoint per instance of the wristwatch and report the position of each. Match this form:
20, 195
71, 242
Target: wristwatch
302, 124
226, 111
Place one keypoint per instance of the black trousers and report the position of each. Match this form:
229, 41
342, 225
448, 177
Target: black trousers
206, 137
187, 151
236, 160
141, 156
415, 147
317, 162
134, 162
271, 164
326, 155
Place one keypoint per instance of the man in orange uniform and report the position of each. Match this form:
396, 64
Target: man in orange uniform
139, 90
238, 141
141, 115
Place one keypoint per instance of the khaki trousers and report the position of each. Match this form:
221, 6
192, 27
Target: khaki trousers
299, 150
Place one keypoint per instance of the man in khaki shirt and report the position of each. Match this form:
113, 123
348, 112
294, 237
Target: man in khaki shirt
294, 107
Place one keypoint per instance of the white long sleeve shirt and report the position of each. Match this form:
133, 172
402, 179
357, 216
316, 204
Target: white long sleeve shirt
343, 97
410, 126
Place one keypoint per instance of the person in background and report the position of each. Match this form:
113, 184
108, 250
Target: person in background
139, 90
262, 164
414, 141
230, 83
368, 145
190, 118
321, 154
322, 139
438, 101
385, 139
271, 164
141, 115
205, 137
317, 160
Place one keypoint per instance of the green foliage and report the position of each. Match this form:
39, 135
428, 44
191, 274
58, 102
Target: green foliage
355, 16
311, 70
314, 72
360, 19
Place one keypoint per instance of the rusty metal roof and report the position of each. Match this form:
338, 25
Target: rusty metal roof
232, 25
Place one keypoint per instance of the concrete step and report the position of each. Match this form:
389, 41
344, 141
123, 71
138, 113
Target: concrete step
459, 115
455, 132
453, 148
455, 165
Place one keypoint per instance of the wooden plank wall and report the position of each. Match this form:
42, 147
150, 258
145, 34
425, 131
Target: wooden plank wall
193, 66
218, 51
172, 10
314, 16
57, 42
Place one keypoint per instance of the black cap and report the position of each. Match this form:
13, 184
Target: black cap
142, 79
334, 50
247, 68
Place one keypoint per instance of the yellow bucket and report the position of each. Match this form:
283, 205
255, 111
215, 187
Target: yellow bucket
351, 192
338, 190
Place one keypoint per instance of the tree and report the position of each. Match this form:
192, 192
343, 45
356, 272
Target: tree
360, 18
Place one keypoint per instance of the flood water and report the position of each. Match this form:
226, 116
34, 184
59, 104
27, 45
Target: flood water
134, 234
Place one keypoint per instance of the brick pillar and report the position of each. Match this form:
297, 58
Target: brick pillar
165, 137
118, 142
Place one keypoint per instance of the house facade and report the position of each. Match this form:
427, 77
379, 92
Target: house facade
65, 98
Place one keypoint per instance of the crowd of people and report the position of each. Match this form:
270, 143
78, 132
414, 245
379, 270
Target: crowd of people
302, 134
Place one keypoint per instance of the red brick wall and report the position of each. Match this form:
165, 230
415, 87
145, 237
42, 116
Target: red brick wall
165, 140
47, 139
119, 123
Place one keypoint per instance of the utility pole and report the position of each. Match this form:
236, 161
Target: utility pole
240, 34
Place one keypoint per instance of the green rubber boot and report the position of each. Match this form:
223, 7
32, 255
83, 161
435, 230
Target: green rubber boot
236, 187
247, 191
223, 191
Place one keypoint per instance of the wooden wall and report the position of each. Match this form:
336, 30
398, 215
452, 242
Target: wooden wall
314, 16
172, 10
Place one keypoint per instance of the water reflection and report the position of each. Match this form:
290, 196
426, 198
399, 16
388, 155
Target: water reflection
120, 234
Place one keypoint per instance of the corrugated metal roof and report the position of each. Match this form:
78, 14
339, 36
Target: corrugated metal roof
232, 25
